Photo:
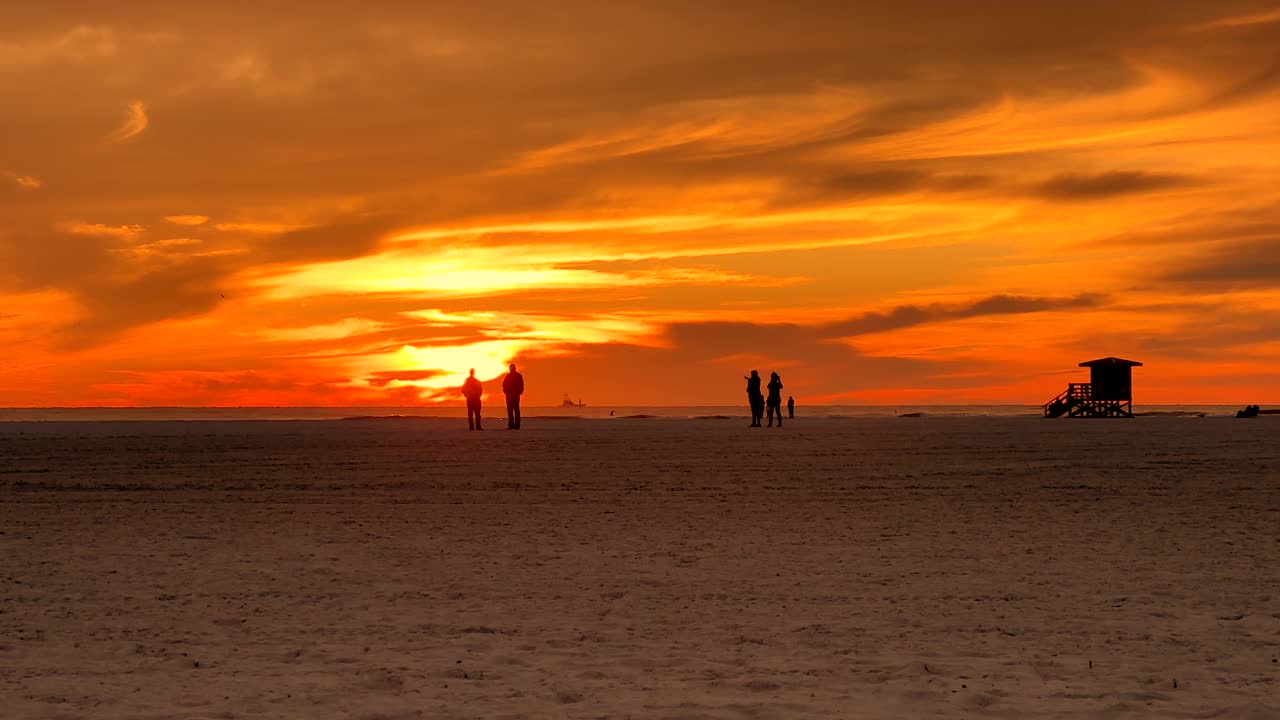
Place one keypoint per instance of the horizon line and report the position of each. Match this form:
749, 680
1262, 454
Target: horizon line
544, 407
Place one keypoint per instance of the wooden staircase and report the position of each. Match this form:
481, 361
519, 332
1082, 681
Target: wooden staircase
1078, 401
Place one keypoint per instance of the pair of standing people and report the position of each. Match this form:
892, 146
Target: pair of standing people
759, 403
512, 387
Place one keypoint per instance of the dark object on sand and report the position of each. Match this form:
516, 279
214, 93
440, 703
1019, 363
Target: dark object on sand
774, 402
513, 388
1249, 411
472, 390
755, 398
1109, 392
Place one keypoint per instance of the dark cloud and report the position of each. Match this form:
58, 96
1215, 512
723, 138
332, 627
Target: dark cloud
722, 338
382, 379
849, 186
340, 240
1075, 186
115, 304
118, 290
706, 355
237, 387
1244, 264
1203, 227
909, 315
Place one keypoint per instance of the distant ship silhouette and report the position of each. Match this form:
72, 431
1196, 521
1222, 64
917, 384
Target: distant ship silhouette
570, 403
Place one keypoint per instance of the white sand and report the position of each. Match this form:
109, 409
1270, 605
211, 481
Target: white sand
641, 568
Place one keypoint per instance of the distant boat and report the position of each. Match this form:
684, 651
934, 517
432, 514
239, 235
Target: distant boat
570, 403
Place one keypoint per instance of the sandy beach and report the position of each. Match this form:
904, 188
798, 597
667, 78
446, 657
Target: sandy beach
646, 568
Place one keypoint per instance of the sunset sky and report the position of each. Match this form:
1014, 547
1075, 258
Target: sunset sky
888, 202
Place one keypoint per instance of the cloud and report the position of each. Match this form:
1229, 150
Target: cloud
27, 182
133, 125
727, 337
114, 284
271, 387
78, 44
261, 228
1198, 226
386, 377
1262, 18
1241, 264
159, 247
122, 301
573, 328
119, 231
345, 328
908, 315
332, 241
1075, 186
888, 181
187, 219
475, 275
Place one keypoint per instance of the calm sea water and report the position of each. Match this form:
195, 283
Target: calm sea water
603, 411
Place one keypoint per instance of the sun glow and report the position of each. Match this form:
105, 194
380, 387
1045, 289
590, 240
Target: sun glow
449, 365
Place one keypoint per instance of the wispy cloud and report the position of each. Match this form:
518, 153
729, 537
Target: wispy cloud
1262, 18
120, 231
1074, 186
260, 228
187, 219
135, 122
159, 246
27, 182
80, 43
345, 328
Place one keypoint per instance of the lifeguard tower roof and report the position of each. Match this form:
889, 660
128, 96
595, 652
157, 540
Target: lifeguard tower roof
1108, 361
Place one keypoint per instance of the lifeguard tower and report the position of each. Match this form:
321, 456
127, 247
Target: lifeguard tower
1109, 392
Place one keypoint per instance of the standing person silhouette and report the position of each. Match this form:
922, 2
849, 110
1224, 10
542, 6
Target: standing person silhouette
775, 398
791, 408
513, 388
755, 398
472, 390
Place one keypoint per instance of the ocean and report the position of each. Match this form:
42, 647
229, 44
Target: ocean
495, 409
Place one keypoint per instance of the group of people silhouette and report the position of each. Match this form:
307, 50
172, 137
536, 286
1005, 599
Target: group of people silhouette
512, 388
773, 403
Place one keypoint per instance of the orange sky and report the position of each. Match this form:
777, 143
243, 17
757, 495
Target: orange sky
888, 202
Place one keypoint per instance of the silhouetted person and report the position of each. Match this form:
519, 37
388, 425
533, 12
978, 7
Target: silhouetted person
472, 390
755, 398
791, 408
513, 388
775, 398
